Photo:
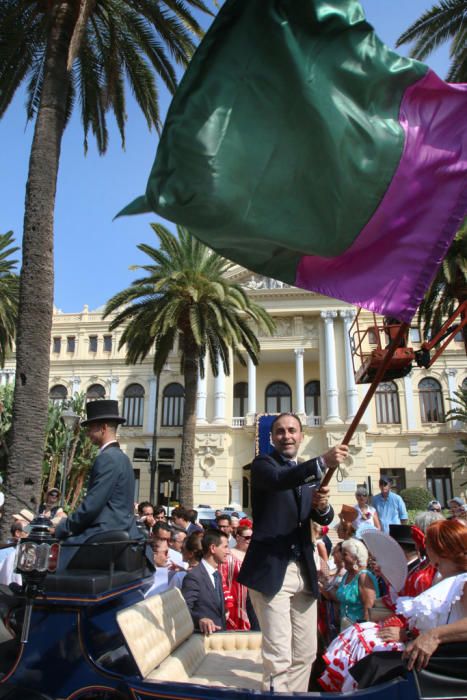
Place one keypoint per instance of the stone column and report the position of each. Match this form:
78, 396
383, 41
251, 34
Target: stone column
332, 394
75, 385
150, 413
201, 399
409, 405
452, 388
350, 387
299, 381
10, 376
219, 396
113, 387
251, 387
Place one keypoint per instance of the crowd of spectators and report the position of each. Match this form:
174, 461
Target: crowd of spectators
180, 544
358, 600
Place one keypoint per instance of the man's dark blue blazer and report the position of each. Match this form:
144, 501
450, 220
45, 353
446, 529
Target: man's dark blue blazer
281, 519
201, 597
108, 504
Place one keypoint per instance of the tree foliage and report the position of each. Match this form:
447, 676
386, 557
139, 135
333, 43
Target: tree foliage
81, 451
184, 301
448, 288
9, 290
458, 413
112, 44
69, 53
416, 498
445, 21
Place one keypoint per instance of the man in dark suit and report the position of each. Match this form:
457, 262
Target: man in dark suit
202, 586
109, 501
279, 568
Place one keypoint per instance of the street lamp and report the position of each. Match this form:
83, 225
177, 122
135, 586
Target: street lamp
153, 464
69, 419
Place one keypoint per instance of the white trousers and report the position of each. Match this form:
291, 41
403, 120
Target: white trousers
288, 622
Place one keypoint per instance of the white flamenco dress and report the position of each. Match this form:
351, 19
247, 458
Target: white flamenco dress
436, 606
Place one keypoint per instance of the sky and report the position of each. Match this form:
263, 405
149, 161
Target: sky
93, 253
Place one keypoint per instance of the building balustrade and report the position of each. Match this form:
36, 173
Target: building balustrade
238, 422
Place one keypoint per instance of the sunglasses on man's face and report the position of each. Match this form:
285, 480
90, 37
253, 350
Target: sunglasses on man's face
246, 537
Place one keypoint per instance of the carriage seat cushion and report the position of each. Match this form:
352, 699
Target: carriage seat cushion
159, 634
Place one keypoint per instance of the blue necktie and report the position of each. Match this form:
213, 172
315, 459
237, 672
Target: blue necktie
298, 489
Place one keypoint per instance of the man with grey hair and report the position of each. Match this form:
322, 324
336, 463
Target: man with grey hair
423, 520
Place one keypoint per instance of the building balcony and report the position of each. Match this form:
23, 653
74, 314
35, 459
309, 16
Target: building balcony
238, 422
313, 421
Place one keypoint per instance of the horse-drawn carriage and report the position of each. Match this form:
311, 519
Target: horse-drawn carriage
88, 632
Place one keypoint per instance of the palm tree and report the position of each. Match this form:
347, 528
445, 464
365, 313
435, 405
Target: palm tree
185, 297
447, 20
70, 51
459, 414
448, 289
9, 288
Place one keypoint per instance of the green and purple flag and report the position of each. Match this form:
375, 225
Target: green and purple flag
301, 147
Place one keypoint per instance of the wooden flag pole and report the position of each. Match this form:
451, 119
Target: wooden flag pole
404, 327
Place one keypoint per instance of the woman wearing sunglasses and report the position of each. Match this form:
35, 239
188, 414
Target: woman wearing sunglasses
237, 605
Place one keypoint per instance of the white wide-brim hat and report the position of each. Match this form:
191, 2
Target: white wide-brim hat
389, 556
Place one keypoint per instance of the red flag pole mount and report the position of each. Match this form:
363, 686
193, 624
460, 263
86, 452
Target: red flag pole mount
395, 342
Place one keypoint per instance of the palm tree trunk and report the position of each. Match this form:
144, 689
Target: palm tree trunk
36, 280
187, 466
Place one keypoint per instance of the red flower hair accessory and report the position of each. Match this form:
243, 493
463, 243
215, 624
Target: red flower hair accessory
246, 522
418, 537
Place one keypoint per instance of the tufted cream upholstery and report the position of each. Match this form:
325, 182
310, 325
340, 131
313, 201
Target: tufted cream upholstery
158, 632
155, 627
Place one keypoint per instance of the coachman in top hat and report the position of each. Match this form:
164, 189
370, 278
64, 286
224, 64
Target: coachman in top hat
108, 504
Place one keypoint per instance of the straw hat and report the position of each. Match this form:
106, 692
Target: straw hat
348, 514
24, 514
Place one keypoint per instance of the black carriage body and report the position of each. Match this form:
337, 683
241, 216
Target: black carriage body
76, 651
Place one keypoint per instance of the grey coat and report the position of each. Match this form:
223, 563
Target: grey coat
108, 504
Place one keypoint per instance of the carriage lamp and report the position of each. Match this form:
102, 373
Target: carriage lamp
36, 556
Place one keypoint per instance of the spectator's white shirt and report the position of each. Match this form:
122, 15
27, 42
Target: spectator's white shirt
176, 558
7, 570
160, 581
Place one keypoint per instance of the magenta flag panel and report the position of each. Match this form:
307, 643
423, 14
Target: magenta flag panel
393, 260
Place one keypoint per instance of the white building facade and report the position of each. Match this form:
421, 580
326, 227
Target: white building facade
305, 367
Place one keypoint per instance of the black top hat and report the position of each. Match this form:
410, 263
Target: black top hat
384, 479
102, 411
402, 534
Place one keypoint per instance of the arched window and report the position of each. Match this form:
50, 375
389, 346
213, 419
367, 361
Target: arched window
278, 398
240, 404
133, 404
58, 394
387, 403
464, 385
431, 401
95, 392
313, 398
173, 404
